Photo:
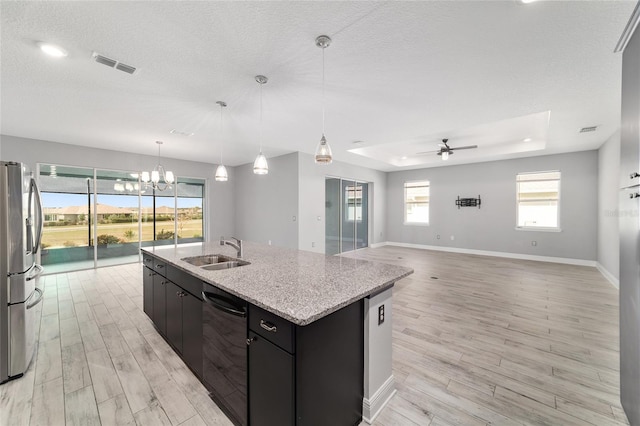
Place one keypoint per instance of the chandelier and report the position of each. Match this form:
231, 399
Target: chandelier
159, 179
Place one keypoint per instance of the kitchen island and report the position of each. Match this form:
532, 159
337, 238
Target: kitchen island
298, 354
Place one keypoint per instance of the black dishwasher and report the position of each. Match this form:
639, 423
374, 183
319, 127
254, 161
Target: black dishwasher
224, 351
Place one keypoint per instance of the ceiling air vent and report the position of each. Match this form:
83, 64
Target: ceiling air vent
112, 63
588, 129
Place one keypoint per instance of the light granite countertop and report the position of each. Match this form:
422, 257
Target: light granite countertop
299, 286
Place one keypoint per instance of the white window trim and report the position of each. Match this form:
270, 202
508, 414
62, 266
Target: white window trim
404, 203
540, 228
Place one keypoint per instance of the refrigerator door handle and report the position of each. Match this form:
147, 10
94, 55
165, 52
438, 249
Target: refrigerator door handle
40, 215
36, 272
37, 300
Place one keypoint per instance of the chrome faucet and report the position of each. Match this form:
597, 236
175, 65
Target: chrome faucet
238, 246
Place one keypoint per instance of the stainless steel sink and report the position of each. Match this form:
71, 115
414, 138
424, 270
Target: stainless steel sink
214, 262
225, 265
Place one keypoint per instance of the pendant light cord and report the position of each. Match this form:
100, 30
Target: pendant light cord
260, 136
323, 101
221, 134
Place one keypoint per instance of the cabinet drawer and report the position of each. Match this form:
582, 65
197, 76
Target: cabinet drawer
187, 281
273, 328
147, 260
160, 267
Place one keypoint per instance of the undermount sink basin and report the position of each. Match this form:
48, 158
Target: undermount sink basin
214, 262
225, 265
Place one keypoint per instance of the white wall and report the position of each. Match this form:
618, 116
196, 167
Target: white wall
492, 227
312, 204
266, 205
608, 193
219, 197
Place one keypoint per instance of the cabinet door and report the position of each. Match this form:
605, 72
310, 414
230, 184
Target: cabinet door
174, 315
147, 291
192, 332
159, 305
271, 392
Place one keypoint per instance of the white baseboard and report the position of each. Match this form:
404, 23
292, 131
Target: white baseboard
376, 245
608, 275
565, 260
372, 407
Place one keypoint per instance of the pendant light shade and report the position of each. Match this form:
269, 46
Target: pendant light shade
260, 166
323, 151
221, 171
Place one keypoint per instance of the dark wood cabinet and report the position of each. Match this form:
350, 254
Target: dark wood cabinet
192, 332
176, 313
271, 384
306, 375
147, 288
159, 303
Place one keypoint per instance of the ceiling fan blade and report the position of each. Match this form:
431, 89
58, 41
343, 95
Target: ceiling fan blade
427, 152
464, 147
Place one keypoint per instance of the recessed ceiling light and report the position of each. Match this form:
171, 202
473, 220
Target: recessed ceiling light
52, 50
527, 1
181, 133
403, 157
526, 140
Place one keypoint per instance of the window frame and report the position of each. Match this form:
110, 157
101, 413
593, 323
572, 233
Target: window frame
404, 203
558, 216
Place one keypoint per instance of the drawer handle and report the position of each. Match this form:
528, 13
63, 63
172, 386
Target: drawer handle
159, 266
634, 175
147, 260
268, 326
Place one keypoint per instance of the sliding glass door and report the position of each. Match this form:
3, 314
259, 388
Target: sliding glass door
96, 217
347, 215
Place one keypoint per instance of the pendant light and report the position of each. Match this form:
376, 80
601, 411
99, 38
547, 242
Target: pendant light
153, 179
221, 171
323, 151
260, 166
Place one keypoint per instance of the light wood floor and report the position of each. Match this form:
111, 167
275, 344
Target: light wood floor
490, 341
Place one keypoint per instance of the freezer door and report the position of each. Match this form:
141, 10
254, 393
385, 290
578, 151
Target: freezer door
17, 216
21, 286
22, 333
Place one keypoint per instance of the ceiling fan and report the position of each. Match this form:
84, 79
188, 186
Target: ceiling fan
445, 150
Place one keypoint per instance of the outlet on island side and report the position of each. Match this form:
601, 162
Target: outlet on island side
380, 314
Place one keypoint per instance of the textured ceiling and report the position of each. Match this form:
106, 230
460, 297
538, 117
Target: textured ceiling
396, 72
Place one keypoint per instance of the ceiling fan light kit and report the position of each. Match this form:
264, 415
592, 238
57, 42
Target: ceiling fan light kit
445, 150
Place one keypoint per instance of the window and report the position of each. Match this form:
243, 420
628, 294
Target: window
416, 202
538, 196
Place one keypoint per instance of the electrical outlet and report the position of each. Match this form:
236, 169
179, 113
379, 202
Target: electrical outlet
534, 243
319, 218
269, 242
380, 314
313, 243
294, 218
438, 236
453, 238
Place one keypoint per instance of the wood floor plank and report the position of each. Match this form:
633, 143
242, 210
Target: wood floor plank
74, 368
106, 384
81, 409
135, 385
48, 403
49, 361
153, 415
116, 411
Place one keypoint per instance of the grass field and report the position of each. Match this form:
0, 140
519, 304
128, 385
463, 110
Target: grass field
77, 235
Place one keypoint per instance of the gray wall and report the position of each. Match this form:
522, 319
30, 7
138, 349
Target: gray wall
492, 227
219, 197
608, 192
266, 205
312, 205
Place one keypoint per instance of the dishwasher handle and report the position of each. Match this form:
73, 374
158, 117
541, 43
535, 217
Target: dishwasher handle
224, 304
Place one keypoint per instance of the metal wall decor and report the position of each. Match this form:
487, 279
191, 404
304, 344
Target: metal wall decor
468, 202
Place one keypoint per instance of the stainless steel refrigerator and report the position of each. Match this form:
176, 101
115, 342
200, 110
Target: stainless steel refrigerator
630, 227
21, 222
